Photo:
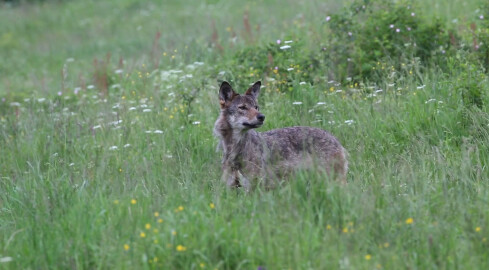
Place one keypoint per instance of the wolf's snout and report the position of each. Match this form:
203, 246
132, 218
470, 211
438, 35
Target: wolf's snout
261, 117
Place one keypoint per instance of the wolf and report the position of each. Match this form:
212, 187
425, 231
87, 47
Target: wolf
251, 158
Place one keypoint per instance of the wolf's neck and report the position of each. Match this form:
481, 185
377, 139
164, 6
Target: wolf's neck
234, 145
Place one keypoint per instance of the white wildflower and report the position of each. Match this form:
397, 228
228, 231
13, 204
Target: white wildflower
285, 47
115, 123
113, 147
297, 103
158, 131
349, 122
15, 104
196, 122
147, 110
126, 145
5, 259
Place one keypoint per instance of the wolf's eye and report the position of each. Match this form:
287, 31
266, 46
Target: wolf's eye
242, 107
256, 108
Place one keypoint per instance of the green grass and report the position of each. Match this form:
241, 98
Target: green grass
69, 168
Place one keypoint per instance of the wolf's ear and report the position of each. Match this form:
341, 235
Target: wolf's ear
226, 93
254, 90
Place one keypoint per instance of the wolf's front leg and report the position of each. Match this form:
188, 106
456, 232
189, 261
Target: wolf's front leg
231, 179
243, 181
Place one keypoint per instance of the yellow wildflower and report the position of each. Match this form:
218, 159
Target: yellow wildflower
409, 221
328, 227
147, 226
477, 229
142, 234
126, 247
160, 220
133, 201
368, 257
157, 214
181, 248
212, 206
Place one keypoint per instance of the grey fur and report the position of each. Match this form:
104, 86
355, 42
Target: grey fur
250, 157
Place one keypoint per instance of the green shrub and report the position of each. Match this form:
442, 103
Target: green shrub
481, 37
283, 63
380, 30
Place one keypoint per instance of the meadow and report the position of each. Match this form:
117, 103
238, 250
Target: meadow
108, 159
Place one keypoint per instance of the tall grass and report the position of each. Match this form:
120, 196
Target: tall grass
128, 177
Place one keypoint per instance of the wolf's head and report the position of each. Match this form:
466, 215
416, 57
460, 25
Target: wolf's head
241, 111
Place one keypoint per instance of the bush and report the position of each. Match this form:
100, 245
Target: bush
481, 37
381, 30
281, 63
